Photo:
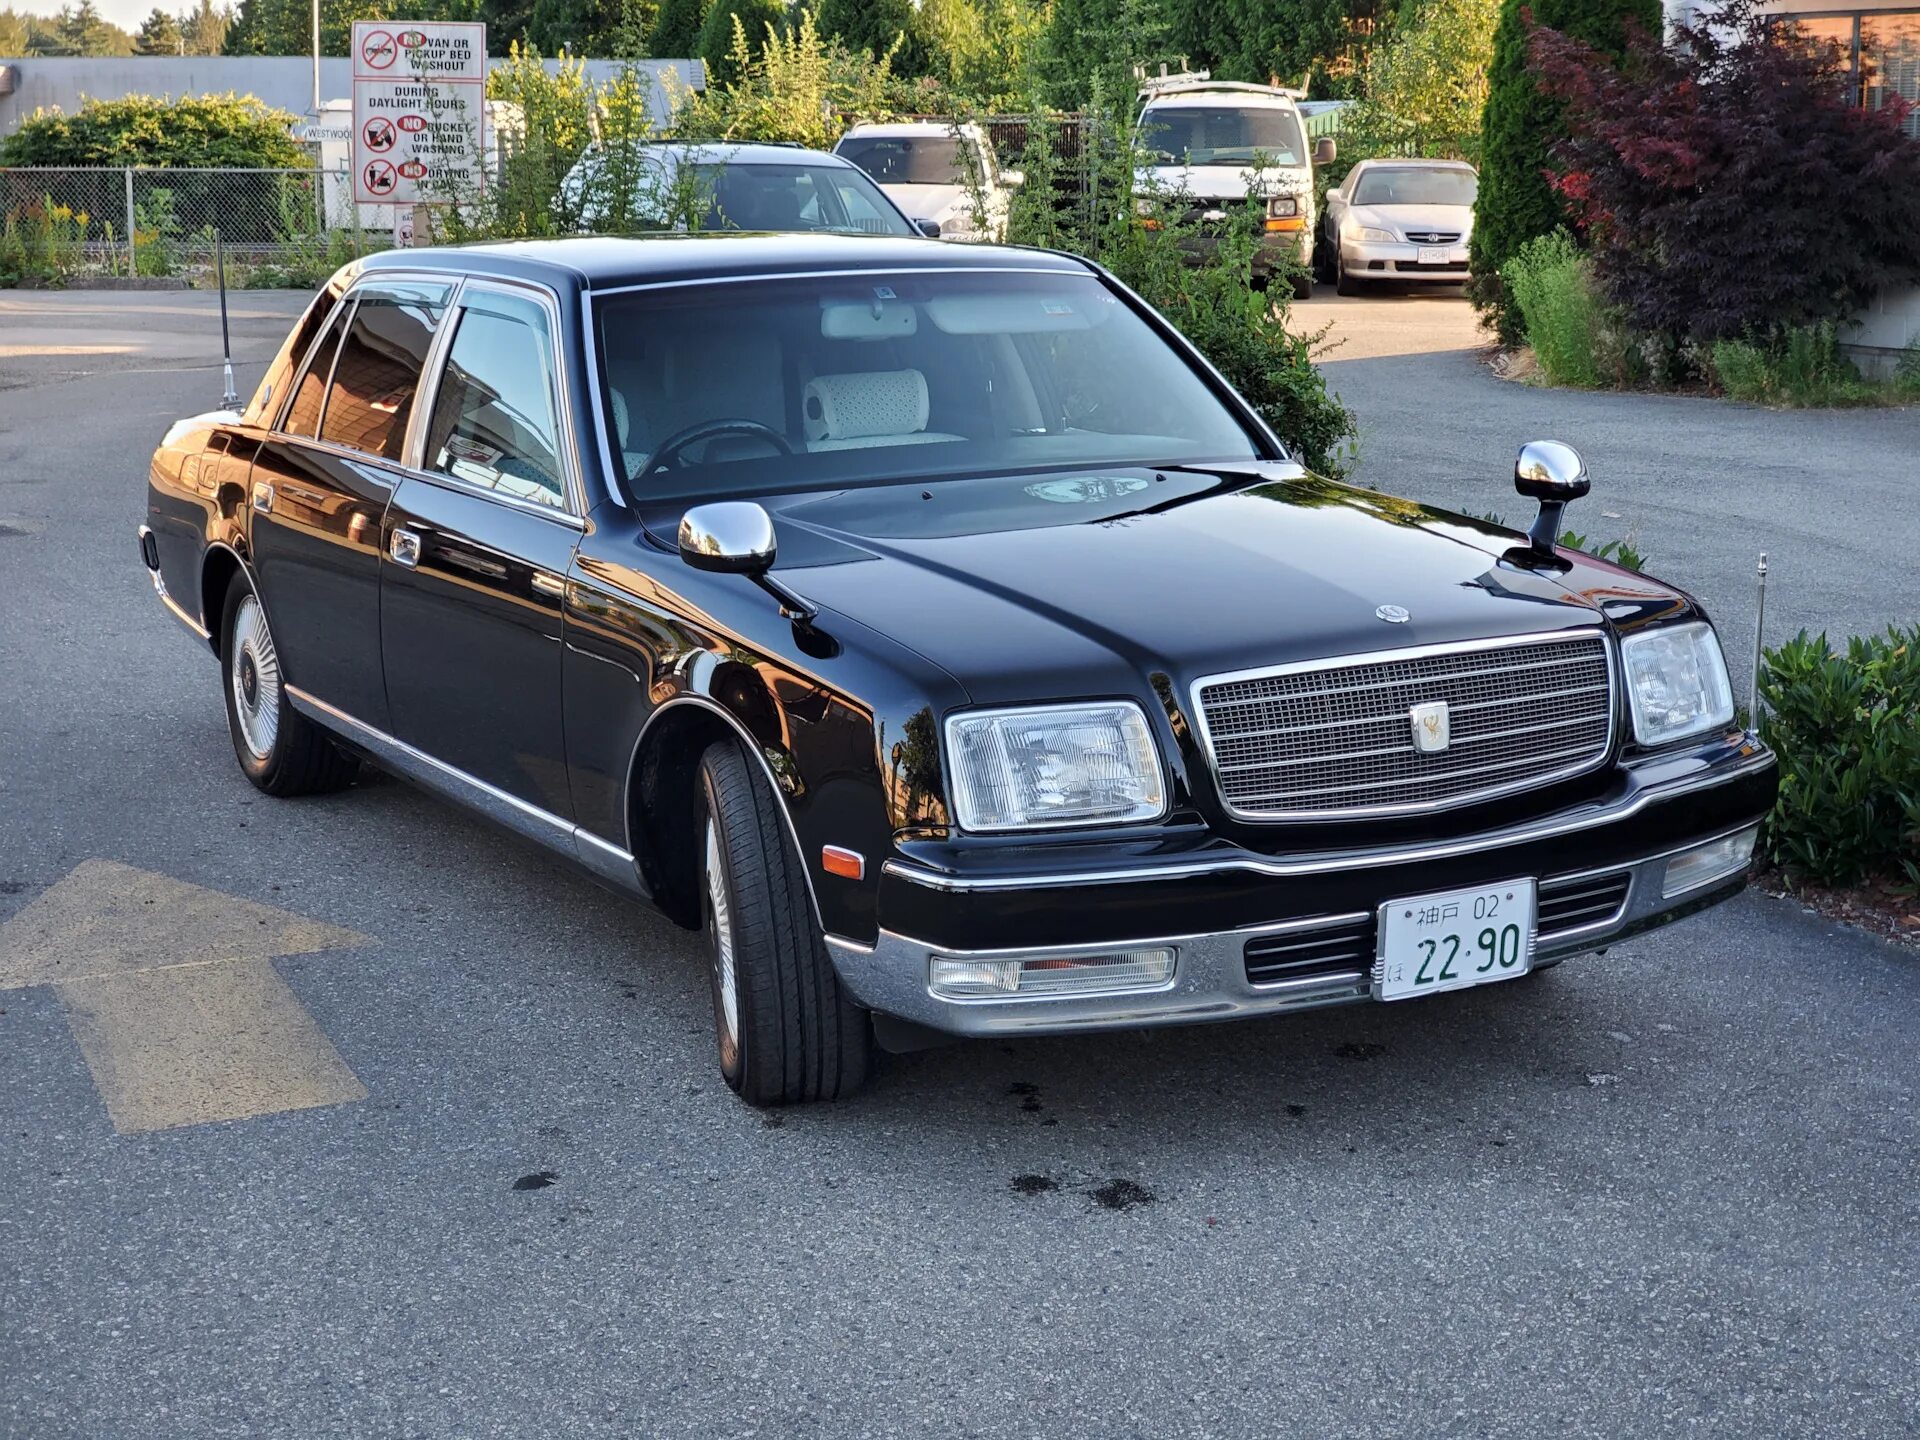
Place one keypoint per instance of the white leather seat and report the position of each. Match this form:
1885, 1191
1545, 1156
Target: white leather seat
867, 409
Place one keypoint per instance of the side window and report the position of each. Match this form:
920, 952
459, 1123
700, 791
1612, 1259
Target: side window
292, 351
493, 418
378, 371
303, 415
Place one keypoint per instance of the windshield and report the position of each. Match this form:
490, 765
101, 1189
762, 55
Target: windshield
900, 376
1412, 186
907, 159
795, 197
1221, 135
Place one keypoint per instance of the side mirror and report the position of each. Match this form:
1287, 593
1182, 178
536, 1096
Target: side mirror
735, 537
728, 537
1334, 197
928, 228
1013, 179
1553, 474
1324, 150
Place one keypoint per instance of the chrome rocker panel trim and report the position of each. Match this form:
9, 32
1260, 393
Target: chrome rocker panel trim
174, 608
1586, 818
1210, 979
607, 861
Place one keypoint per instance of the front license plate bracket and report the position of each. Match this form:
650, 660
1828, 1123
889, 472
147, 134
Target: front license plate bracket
1454, 939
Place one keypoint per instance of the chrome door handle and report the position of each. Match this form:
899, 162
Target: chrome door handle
404, 547
263, 497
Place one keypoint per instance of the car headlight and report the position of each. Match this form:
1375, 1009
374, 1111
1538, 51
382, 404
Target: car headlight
1044, 767
1378, 237
1677, 680
1283, 207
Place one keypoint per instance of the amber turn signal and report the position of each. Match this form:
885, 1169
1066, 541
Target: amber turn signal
848, 864
1289, 222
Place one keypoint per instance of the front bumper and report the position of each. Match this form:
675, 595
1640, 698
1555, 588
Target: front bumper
1601, 867
1377, 260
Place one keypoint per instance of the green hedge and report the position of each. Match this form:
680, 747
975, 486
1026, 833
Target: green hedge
1846, 726
236, 130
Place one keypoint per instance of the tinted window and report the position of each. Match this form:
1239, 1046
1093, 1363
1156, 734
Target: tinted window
1236, 135
292, 351
879, 378
378, 370
907, 159
493, 420
1416, 186
303, 415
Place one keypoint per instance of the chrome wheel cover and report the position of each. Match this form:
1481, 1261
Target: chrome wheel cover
726, 990
253, 670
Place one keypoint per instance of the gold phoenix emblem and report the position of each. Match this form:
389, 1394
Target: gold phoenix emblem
1432, 727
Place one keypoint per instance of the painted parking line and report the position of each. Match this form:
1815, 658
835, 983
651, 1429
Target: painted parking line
172, 996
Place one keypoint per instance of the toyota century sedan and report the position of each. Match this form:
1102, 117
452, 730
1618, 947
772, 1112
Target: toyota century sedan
937, 631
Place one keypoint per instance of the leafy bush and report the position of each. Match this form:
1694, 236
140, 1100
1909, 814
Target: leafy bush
797, 86
232, 130
41, 241
745, 25
1423, 91
1518, 129
1805, 367
1243, 331
1731, 189
1549, 285
1847, 730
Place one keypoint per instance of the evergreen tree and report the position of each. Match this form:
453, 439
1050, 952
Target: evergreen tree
84, 31
204, 28
601, 28
1521, 125
16, 35
874, 26
716, 33
159, 35
676, 29
1085, 39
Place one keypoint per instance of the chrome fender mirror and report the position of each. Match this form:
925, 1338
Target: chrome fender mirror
1553, 474
735, 537
728, 537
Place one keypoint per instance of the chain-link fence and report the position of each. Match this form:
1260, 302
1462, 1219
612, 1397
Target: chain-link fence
160, 222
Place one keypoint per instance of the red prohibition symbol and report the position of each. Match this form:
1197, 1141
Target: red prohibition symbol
380, 178
413, 124
414, 169
379, 50
380, 134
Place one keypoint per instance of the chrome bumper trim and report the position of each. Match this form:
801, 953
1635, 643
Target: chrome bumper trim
174, 608
1210, 972
1587, 818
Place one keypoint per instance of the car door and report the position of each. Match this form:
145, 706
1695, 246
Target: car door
320, 486
479, 539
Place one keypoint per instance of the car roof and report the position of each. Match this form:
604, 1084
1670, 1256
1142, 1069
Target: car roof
742, 152
1412, 164
911, 128
610, 262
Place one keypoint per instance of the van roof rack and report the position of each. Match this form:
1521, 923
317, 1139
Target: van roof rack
1189, 82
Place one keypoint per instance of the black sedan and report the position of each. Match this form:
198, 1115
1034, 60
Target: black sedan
933, 627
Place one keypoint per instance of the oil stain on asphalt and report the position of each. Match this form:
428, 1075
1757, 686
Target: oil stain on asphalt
539, 1180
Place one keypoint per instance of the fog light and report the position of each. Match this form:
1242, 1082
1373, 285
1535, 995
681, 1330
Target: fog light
951, 978
1704, 864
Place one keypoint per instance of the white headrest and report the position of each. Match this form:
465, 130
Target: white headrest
878, 402
621, 424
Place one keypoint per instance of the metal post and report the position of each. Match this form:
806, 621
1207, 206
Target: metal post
230, 398
133, 262
316, 62
1759, 635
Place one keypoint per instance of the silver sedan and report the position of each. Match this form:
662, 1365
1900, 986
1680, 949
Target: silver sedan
1403, 220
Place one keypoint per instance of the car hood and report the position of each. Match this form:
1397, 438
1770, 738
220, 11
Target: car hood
1034, 587
1221, 182
928, 202
1452, 219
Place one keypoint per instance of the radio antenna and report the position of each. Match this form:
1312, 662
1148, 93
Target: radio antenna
230, 400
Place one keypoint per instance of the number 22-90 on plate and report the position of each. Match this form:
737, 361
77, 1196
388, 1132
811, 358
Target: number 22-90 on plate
1457, 938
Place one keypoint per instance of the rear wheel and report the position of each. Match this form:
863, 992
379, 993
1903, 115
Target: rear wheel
786, 1030
279, 749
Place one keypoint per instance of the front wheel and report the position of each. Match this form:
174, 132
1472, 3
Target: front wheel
1343, 283
786, 1030
279, 749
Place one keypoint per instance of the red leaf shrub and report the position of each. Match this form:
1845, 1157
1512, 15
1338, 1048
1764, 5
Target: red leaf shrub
1727, 185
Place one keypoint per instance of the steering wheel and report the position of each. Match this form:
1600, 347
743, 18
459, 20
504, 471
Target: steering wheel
668, 450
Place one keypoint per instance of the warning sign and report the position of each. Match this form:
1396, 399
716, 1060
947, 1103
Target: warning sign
419, 111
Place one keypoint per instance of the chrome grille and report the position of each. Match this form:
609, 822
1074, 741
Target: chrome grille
1434, 237
1336, 737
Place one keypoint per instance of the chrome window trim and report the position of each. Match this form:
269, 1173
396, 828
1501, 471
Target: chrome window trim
343, 311
1609, 652
1332, 864
833, 272
573, 511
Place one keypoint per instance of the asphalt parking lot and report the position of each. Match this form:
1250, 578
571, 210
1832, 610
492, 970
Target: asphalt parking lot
491, 1183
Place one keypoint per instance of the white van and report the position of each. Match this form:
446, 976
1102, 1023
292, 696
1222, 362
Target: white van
1218, 143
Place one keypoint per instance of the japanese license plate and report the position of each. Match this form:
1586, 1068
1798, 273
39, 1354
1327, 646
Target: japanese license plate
1433, 255
1454, 939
